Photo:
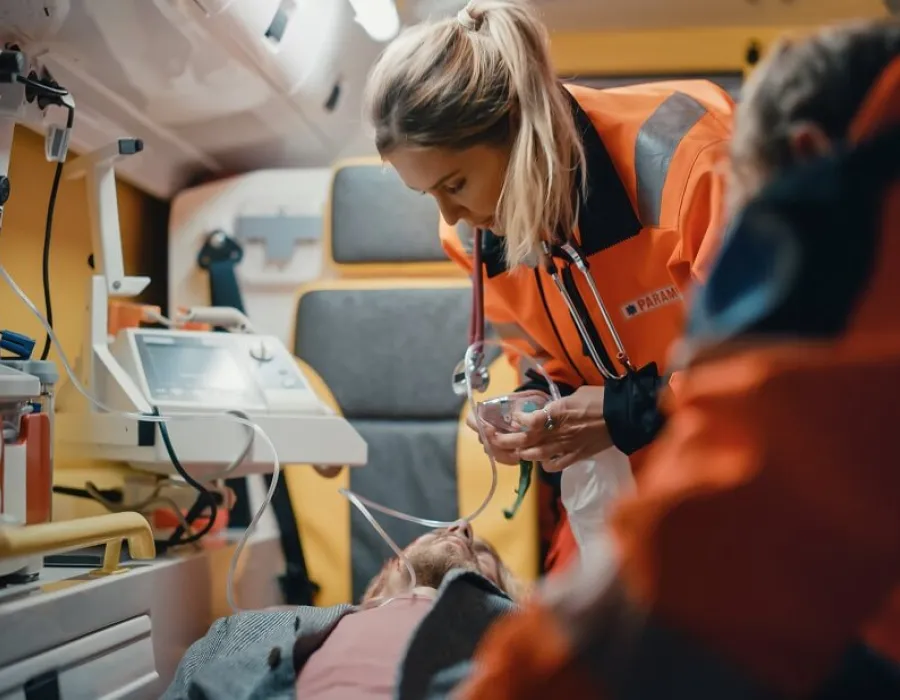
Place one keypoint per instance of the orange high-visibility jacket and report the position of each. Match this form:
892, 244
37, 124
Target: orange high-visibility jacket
761, 556
647, 230
654, 155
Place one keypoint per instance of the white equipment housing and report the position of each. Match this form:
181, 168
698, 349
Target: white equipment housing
210, 373
276, 217
15, 387
210, 86
185, 372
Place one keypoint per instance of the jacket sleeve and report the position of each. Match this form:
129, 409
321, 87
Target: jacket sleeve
507, 327
701, 219
702, 222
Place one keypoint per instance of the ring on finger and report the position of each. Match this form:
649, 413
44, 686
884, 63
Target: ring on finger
549, 422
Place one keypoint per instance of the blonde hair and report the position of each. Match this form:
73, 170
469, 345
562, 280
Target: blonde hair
484, 76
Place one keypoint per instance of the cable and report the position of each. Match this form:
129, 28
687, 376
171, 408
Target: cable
43, 89
48, 233
354, 499
113, 507
112, 500
204, 499
161, 420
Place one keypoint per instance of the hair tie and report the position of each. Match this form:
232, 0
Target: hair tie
467, 20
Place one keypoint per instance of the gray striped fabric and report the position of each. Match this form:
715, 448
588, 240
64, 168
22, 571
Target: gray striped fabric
236, 659
232, 660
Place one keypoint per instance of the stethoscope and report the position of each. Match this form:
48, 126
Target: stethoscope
478, 369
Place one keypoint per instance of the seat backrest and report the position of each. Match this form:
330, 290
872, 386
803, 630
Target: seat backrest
375, 226
385, 347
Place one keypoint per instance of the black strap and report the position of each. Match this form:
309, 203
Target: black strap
631, 409
43, 687
220, 257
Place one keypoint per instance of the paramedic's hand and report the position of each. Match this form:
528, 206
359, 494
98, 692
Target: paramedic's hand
579, 431
500, 456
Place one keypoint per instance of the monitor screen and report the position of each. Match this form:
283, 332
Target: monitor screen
188, 370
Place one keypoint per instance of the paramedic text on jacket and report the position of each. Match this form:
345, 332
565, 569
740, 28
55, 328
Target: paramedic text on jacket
469, 110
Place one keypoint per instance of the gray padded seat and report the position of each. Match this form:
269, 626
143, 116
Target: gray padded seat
375, 218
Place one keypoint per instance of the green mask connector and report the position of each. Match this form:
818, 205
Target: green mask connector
526, 469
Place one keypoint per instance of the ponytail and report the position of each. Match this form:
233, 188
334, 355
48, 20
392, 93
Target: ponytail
485, 77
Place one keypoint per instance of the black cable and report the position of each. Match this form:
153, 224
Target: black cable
48, 233
41, 88
205, 499
114, 495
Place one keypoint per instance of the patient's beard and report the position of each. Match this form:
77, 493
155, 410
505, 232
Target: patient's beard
433, 563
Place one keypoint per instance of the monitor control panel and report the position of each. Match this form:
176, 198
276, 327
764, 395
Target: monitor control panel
208, 370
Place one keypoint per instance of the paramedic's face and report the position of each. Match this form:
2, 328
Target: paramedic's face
466, 183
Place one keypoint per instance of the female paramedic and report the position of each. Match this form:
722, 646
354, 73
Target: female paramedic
593, 210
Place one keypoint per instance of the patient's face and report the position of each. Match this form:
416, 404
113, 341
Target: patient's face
433, 555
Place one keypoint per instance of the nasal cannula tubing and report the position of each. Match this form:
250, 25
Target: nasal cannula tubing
276, 465
470, 368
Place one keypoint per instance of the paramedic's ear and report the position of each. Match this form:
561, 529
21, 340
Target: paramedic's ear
808, 141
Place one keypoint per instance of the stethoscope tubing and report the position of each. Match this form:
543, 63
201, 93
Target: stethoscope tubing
477, 320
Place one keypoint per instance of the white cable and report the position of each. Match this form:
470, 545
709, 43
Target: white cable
354, 499
159, 318
276, 465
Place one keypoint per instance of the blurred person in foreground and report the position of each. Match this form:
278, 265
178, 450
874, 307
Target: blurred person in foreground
761, 556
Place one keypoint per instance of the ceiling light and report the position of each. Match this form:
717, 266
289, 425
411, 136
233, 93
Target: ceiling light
378, 17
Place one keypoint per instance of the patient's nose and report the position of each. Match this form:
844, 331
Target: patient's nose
462, 529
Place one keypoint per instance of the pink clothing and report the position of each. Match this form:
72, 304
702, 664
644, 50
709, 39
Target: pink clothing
361, 657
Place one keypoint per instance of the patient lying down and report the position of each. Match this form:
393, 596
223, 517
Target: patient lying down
397, 643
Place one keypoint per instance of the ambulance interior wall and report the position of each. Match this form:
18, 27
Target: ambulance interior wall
143, 221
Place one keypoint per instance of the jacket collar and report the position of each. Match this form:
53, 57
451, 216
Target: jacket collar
606, 216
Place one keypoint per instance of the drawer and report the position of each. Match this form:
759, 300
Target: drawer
115, 663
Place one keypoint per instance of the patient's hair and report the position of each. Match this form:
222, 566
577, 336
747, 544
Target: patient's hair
821, 79
485, 77
432, 560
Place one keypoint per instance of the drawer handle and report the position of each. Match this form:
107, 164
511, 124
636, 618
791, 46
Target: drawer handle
109, 529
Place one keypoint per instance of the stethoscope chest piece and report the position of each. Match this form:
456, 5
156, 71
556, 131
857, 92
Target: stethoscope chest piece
481, 378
